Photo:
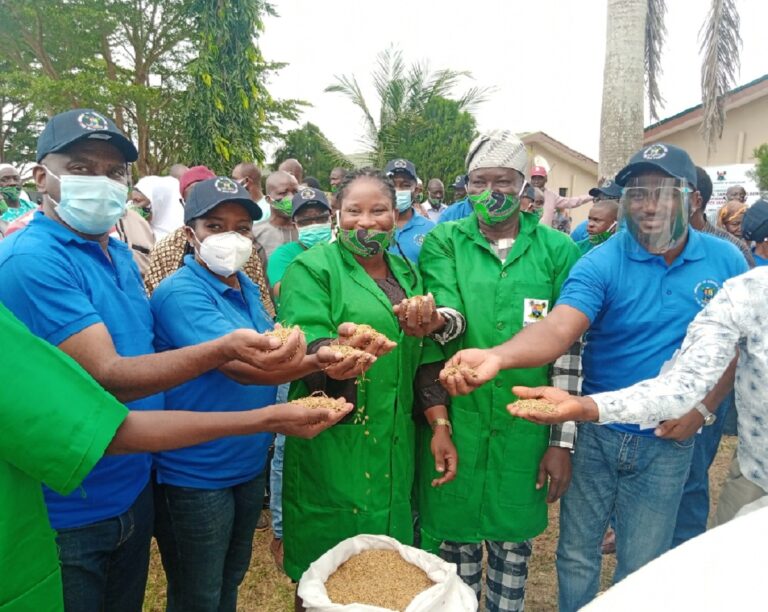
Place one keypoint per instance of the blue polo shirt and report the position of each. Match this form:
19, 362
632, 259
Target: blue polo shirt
457, 211
57, 284
639, 308
579, 233
759, 261
193, 306
410, 237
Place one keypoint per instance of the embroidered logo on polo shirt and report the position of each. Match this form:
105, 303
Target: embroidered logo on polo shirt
419, 239
705, 291
308, 194
91, 120
225, 185
655, 151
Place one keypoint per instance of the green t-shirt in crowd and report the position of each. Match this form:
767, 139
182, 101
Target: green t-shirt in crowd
55, 424
280, 259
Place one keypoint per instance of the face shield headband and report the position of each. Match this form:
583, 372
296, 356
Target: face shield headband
655, 211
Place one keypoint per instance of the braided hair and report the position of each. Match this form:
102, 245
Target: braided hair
387, 186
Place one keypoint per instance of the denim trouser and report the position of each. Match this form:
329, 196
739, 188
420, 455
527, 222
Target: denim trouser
205, 539
276, 473
104, 565
694, 505
638, 478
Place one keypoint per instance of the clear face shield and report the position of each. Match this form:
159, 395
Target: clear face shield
655, 210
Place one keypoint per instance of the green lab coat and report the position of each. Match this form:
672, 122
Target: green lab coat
357, 476
493, 496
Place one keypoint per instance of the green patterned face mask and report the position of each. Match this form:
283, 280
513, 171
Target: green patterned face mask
603, 236
365, 243
285, 205
10, 193
494, 207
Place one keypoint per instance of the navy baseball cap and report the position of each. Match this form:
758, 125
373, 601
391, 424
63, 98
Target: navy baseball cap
306, 196
65, 129
662, 157
208, 194
460, 182
401, 166
609, 190
754, 225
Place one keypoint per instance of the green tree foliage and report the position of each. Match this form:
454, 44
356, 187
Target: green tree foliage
18, 120
403, 93
760, 172
437, 140
316, 153
131, 59
229, 114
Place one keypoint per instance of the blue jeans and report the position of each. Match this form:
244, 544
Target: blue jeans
276, 473
104, 565
638, 478
694, 505
205, 539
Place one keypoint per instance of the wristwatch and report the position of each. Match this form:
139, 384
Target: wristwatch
709, 417
445, 422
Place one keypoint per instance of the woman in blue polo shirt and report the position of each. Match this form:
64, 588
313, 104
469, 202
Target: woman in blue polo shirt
209, 496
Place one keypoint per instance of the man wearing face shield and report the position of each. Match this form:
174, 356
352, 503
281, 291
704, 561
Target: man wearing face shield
411, 227
77, 288
634, 298
498, 270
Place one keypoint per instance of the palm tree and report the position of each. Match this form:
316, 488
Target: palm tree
403, 93
635, 37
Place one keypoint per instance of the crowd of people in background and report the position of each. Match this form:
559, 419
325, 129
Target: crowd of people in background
206, 303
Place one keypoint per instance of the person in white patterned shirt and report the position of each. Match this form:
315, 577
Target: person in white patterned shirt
734, 319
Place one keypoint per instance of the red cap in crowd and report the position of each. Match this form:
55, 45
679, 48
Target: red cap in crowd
538, 171
194, 175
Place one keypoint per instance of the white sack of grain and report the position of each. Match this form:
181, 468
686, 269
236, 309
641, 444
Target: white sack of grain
448, 594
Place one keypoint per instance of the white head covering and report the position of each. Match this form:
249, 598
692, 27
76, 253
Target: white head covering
167, 211
497, 149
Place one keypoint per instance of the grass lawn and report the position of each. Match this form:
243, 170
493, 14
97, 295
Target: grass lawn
266, 590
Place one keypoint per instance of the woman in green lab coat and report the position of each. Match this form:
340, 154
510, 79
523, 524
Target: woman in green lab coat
500, 269
357, 477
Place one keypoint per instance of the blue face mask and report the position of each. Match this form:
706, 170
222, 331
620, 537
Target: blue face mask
403, 199
312, 234
90, 204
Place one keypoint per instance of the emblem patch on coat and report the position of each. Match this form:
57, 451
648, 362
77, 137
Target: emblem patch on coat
534, 310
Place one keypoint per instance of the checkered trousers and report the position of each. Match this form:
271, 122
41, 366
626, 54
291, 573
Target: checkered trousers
505, 576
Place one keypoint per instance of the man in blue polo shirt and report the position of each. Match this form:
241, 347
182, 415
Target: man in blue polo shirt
634, 297
411, 228
461, 207
79, 289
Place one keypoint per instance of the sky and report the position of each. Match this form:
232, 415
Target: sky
544, 59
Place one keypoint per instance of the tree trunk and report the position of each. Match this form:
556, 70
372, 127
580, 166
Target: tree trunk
621, 119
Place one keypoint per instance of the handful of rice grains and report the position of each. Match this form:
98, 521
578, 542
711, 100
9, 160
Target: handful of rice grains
377, 578
347, 350
318, 400
461, 370
536, 405
362, 329
282, 333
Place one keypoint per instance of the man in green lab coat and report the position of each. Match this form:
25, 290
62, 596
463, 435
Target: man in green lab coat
500, 270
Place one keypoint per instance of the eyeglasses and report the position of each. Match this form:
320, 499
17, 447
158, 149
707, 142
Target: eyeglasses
641, 195
304, 222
